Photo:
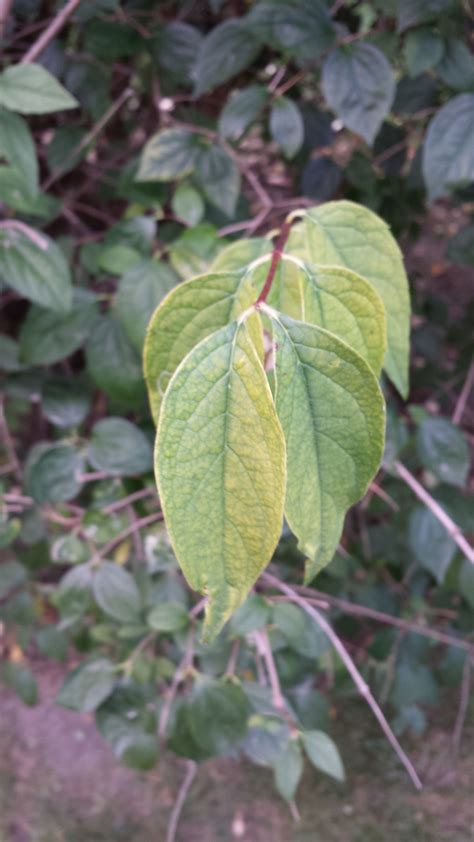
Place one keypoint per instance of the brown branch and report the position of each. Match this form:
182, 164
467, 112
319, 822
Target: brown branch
265, 650
276, 257
359, 682
462, 400
56, 24
451, 528
191, 769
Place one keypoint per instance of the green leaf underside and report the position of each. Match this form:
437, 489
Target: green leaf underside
39, 274
332, 297
192, 311
343, 233
332, 413
220, 469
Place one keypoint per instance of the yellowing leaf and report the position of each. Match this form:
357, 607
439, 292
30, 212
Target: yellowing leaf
220, 469
332, 413
189, 313
345, 234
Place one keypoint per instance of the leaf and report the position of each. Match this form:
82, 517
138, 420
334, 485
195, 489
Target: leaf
47, 336
86, 687
116, 593
324, 389
333, 298
219, 177
12, 575
266, 738
114, 364
237, 256
461, 246
31, 89
323, 754
217, 715
52, 472
220, 470
466, 582
301, 634
423, 50
251, 616
288, 770
227, 50
118, 258
189, 313
139, 292
345, 234
434, 549
443, 449
448, 150
359, 85
320, 178
137, 750
65, 402
17, 146
175, 49
119, 447
168, 617
412, 12
192, 252
38, 272
187, 204
301, 28
286, 126
21, 680
241, 110
167, 155
457, 66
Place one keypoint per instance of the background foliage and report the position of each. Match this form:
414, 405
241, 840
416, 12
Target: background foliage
136, 144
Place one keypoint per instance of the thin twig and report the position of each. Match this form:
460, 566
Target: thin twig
191, 769
356, 610
179, 674
127, 501
265, 650
451, 528
34, 236
462, 400
8, 443
463, 704
276, 257
234, 654
129, 530
5, 6
89, 137
359, 682
56, 24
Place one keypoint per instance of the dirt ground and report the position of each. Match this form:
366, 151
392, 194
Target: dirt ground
59, 782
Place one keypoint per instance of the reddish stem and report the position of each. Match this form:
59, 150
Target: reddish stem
276, 257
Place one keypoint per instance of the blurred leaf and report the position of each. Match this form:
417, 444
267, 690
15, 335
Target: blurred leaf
169, 154
137, 750
241, 110
86, 687
227, 50
21, 680
320, 178
175, 49
359, 85
52, 643
31, 89
52, 472
266, 738
414, 684
443, 449
251, 616
139, 292
39, 273
300, 631
413, 12
119, 258
12, 575
168, 617
217, 714
301, 28
286, 126
423, 50
288, 770
431, 544
65, 402
219, 177
187, 204
461, 246
448, 150
60, 149
119, 447
456, 68
323, 753
466, 582
18, 148
115, 592
47, 336
114, 363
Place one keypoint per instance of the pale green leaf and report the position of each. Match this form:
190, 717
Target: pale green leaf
323, 753
17, 146
346, 234
189, 313
288, 770
220, 467
332, 413
237, 256
31, 89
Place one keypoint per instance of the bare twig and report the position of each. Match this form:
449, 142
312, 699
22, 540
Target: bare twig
356, 610
275, 259
56, 24
265, 650
234, 654
34, 236
451, 528
359, 682
463, 704
462, 400
131, 498
5, 6
191, 769
129, 530
90, 136
8, 443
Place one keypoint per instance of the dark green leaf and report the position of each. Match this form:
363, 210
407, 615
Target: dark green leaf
286, 126
250, 617
175, 50
302, 28
461, 246
414, 683
299, 630
187, 204
52, 472
116, 593
466, 582
432, 546
227, 50
62, 152
241, 111
47, 336
119, 447
137, 750
168, 617
12, 575
114, 363
423, 49
35, 269
168, 155
87, 686
288, 770
448, 151
19, 678
266, 738
65, 402
457, 66
412, 12
139, 292
31, 89
359, 86
443, 449
219, 177
52, 643
18, 148
218, 712
323, 754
